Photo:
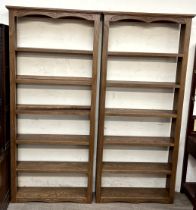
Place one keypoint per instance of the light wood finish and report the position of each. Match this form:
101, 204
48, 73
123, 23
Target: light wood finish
59, 194
178, 103
51, 194
54, 51
46, 80
165, 195
145, 54
137, 168
119, 14
140, 113
138, 141
52, 167
134, 84
13, 125
134, 195
53, 110
93, 106
52, 139
100, 142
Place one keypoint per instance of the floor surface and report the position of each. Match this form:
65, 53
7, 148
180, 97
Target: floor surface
181, 203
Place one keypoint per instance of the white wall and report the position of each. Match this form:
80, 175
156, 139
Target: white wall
141, 128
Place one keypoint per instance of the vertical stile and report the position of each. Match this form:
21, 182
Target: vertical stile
13, 43
178, 102
102, 107
93, 106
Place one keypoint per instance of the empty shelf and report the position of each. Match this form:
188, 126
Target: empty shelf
52, 167
143, 168
139, 141
51, 194
145, 54
135, 84
52, 139
140, 113
54, 51
45, 80
53, 110
134, 195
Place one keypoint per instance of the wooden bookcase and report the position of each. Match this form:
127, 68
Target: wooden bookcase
189, 188
142, 194
52, 194
4, 118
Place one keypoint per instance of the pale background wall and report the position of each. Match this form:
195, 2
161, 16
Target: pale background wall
157, 71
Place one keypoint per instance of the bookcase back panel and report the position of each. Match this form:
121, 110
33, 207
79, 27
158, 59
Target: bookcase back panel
133, 154
134, 98
133, 181
142, 69
143, 37
122, 126
59, 95
53, 65
51, 33
191, 170
53, 125
52, 153
51, 180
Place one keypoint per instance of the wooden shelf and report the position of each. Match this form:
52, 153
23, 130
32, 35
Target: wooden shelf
43, 80
191, 145
145, 54
140, 113
53, 110
51, 194
54, 51
194, 117
137, 168
139, 141
134, 195
190, 189
52, 139
122, 194
135, 84
52, 167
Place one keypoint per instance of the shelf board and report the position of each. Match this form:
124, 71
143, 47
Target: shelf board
137, 168
54, 51
135, 84
140, 113
189, 188
52, 167
53, 110
51, 194
52, 139
46, 80
139, 141
144, 54
134, 195
191, 145
194, 117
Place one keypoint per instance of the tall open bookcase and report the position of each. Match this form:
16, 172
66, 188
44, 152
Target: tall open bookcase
171, 142
189, 187
30, 108
45, 193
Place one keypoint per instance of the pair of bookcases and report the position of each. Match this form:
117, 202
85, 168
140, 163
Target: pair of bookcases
30, 108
